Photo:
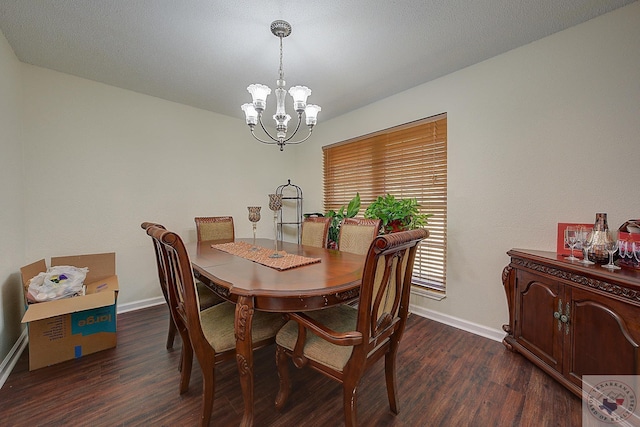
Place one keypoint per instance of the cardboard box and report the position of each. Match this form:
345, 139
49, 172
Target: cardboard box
73, 327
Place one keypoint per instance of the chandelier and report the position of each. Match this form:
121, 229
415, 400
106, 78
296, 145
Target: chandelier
253, 111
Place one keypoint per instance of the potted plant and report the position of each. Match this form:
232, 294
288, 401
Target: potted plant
348, 211
396, 214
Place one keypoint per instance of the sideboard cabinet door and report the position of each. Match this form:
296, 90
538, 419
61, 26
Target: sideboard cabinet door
604, 337
536, 329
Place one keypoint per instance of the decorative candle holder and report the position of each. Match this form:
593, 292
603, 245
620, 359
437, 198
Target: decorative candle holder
254, 217
275, 204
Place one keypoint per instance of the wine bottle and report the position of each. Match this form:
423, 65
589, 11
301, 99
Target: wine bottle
598, 252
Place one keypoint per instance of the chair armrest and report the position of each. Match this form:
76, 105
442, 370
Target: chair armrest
337, 338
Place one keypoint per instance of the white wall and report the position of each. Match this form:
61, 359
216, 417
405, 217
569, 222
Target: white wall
12, 223
102, 160
539, 135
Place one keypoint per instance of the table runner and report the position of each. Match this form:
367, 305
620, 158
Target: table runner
261, 255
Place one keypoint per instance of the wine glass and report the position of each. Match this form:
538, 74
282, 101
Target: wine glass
585, 237
611, 246
275, 204
254, 217
571, 239
623, 251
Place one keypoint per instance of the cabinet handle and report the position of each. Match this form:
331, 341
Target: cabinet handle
565, 319
558, 315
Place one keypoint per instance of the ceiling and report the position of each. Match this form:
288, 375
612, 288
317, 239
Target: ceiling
205, 53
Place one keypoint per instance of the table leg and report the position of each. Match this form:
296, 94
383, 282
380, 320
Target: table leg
244, 355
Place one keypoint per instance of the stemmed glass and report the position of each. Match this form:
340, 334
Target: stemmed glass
254, 217
624, 249
585, 238
571, 239
611, 246
275, 204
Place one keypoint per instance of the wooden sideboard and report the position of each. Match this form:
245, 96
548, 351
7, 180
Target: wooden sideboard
570, 319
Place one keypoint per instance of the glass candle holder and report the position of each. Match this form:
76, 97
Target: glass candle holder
254, 217
275, 204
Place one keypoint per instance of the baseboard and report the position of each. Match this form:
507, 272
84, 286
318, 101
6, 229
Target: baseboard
12, 358
138, 305
474, 328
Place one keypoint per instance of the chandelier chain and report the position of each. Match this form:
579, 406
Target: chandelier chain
281, 70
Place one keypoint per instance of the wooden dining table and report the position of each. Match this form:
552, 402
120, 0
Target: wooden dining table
334, 279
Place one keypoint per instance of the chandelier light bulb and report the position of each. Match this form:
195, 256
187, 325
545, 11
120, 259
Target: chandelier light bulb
299, 95
311, 112
250, 113
259, 94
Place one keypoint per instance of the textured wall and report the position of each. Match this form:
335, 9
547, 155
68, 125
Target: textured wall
12, 222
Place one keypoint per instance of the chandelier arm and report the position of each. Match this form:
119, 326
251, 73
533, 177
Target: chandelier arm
261, 140
301, 141
286, 140
275, 140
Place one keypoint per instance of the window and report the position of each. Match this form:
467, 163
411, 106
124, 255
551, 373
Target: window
408, 161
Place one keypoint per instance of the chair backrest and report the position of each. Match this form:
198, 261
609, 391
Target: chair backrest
159, 259
183, 296
384, 293
356, 234
215, 228
315, 231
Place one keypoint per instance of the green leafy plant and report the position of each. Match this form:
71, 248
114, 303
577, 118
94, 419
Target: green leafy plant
346, 211
396, 214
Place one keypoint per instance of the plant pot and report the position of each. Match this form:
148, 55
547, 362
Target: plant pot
395, 226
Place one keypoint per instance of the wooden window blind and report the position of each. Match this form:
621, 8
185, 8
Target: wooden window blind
408, 161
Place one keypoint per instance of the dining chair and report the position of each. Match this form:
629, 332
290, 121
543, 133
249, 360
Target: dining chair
206, 296
214, 228
356, 234
315, 231
208, 333
341, 342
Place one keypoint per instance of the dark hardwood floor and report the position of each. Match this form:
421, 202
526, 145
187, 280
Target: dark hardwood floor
446, 377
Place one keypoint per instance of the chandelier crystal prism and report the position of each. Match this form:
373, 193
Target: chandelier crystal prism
259, 92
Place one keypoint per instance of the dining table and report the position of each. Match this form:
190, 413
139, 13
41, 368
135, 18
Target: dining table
303, 278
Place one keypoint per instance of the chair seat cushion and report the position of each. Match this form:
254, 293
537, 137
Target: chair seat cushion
341, 318
218, 326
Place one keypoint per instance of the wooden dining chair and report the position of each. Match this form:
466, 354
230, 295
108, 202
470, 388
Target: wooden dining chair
214, 228
210, 333
341, 342
356, 234
315, 231
206, 297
